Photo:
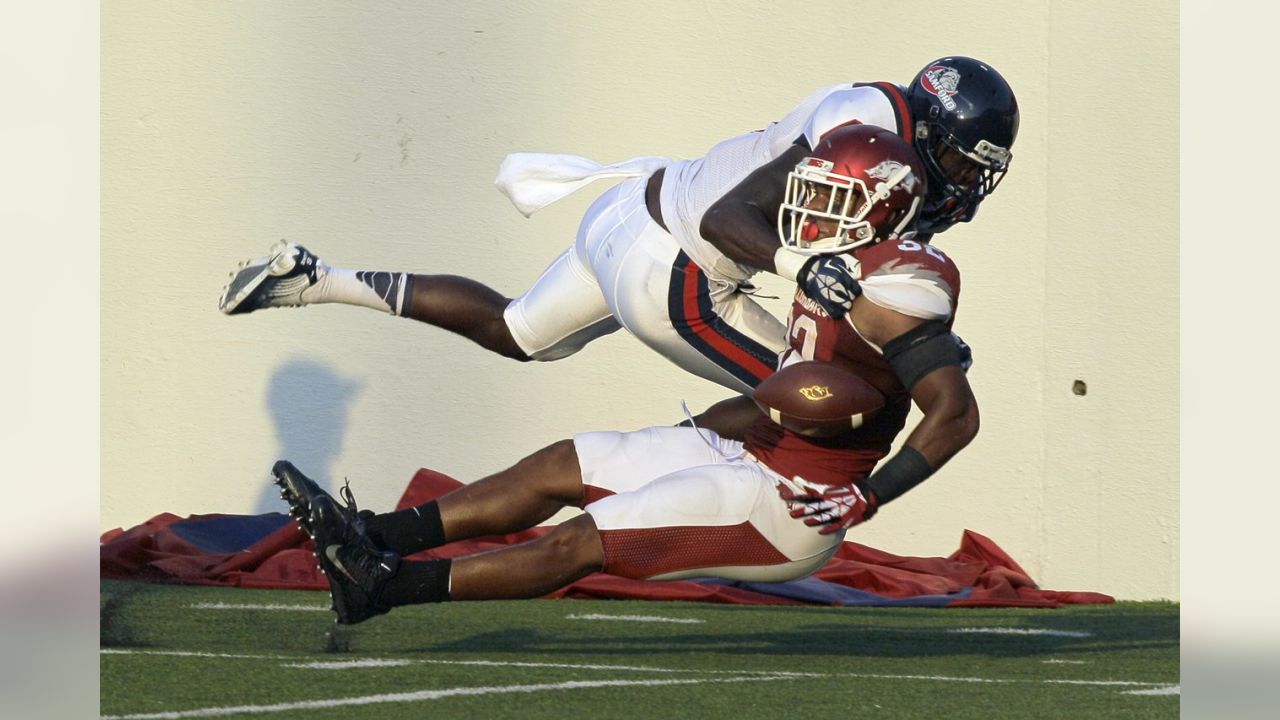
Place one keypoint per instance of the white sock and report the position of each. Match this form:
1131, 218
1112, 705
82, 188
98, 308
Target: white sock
377, 289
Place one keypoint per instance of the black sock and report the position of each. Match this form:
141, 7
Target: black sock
416, 582
408, 531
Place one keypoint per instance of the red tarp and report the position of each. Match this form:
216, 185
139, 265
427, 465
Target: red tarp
978, 574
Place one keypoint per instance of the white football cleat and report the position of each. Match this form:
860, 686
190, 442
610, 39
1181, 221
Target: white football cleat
277, 280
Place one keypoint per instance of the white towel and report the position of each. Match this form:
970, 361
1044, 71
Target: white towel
535, 180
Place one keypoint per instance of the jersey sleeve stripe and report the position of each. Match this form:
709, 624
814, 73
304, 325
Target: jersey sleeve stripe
901, 113
854, 121
694, 318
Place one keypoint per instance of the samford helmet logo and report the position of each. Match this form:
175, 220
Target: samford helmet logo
942, 81
887, 168
816, 392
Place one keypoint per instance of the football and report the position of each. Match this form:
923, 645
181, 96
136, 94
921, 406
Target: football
817, 399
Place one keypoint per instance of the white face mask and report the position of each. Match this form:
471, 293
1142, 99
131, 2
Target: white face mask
839, 222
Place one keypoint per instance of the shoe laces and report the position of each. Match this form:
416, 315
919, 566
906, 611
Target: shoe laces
350, 511
715, 447
348, 498
750, 289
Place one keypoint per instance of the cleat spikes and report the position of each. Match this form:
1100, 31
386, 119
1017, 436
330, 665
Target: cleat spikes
277, 280
298, 491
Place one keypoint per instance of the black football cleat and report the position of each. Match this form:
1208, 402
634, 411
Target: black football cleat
356, 569
299, 491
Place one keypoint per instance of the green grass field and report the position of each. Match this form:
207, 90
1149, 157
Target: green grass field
189, 652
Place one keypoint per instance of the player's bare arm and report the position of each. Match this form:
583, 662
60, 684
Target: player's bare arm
950, 419
927, 359
743, 223
729, 418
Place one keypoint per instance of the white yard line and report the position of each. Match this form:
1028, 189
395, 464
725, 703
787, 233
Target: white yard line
349, 664
418, 696
1153, 688
1023, 631
636, 618
1055, 661
649, 618
300, 662
1170, 690
190, 653
951, 678
1103, 683
637, 668
231, 606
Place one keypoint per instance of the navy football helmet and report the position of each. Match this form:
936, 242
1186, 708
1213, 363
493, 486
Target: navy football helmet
966, 119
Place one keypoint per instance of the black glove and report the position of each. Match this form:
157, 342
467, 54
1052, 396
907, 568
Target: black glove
829, 281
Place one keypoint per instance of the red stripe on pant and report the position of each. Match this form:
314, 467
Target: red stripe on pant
644, 553
591, 493
704, 330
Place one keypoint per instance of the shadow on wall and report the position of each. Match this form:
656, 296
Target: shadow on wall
309, 405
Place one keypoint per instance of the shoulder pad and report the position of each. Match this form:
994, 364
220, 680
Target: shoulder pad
860, 104
912, 278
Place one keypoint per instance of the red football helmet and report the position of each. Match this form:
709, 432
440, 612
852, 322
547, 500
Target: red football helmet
862, 184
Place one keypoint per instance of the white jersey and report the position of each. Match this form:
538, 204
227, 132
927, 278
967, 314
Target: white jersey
691, 186
674, 292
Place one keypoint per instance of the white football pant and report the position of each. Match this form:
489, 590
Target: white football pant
676, 502
624, 270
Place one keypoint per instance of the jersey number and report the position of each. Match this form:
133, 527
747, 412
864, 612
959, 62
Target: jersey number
805, 330
913, 246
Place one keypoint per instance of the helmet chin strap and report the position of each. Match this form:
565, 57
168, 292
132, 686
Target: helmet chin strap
882, 192
883, 189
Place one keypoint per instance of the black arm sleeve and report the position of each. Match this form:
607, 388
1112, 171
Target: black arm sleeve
902, 472
920, 351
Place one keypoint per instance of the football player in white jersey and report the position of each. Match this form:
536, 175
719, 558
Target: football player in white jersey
674, 502
668, 252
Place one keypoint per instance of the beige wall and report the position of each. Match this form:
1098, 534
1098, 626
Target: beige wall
372, 134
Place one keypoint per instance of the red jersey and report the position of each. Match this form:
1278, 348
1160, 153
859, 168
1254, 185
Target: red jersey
909, 277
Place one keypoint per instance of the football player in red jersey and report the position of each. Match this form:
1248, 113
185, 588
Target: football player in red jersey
669, 252
885, 313
673, 502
